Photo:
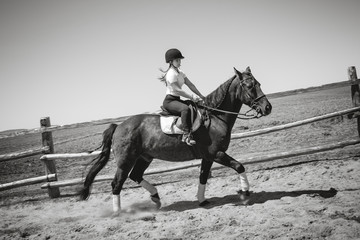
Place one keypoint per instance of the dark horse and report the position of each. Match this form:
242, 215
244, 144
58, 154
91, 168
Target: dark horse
139, 139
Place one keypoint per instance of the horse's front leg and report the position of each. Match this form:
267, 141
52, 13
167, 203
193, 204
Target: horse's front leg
204, 174
224, 159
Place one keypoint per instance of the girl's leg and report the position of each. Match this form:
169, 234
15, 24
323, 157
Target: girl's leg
179, 108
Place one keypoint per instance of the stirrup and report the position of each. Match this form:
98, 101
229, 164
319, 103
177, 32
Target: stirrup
187, 138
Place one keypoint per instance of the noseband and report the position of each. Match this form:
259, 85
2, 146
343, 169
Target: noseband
255, 102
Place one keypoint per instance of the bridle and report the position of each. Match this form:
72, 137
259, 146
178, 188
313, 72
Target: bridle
244, 116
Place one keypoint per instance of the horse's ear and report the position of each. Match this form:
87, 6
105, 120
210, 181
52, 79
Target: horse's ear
248, 70
238, 73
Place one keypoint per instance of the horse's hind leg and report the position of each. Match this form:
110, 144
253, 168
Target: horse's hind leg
117, 184
137, 174
126, 159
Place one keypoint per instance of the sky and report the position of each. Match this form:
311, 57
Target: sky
82, 60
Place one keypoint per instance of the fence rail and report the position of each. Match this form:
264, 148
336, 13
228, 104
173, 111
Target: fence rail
64, 127
23, 154
293, 124
49, 157
24, 182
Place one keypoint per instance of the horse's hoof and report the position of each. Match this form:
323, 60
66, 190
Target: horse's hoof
244, 197
115, 214
156, 199
204, 203
158, 203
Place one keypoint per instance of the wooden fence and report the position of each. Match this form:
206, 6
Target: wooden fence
49, 157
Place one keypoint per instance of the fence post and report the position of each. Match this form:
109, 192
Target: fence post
47, 141
355, 92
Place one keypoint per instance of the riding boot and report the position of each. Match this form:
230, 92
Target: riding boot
187, 138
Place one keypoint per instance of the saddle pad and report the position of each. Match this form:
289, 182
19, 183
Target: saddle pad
168, 125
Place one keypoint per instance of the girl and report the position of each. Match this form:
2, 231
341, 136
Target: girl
174, 79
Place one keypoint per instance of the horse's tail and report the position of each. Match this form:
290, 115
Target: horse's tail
99, 162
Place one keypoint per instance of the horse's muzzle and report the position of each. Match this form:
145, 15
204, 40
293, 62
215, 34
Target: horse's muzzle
264, 108
268, 109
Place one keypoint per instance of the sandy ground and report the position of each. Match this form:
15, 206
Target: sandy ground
307, 197
313, 199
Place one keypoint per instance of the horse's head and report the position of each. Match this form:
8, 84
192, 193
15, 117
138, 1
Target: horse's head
250, 93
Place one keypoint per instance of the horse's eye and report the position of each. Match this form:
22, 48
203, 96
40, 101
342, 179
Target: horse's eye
250, 84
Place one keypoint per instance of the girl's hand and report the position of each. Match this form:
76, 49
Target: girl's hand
196, 99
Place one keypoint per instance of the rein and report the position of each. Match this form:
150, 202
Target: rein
242, 116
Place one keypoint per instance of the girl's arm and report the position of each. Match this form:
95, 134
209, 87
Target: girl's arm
176, 88
173, 82
193, 88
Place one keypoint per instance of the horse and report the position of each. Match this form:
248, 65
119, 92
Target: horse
139, 139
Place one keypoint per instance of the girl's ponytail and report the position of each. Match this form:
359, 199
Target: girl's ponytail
163, 76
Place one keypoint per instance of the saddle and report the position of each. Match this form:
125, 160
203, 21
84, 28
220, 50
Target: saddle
171, 124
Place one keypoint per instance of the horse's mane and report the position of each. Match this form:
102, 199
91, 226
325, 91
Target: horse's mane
215, 98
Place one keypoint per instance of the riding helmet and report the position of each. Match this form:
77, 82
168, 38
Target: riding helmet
172, 54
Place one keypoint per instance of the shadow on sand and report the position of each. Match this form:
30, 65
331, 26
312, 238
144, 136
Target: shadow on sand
255, 198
